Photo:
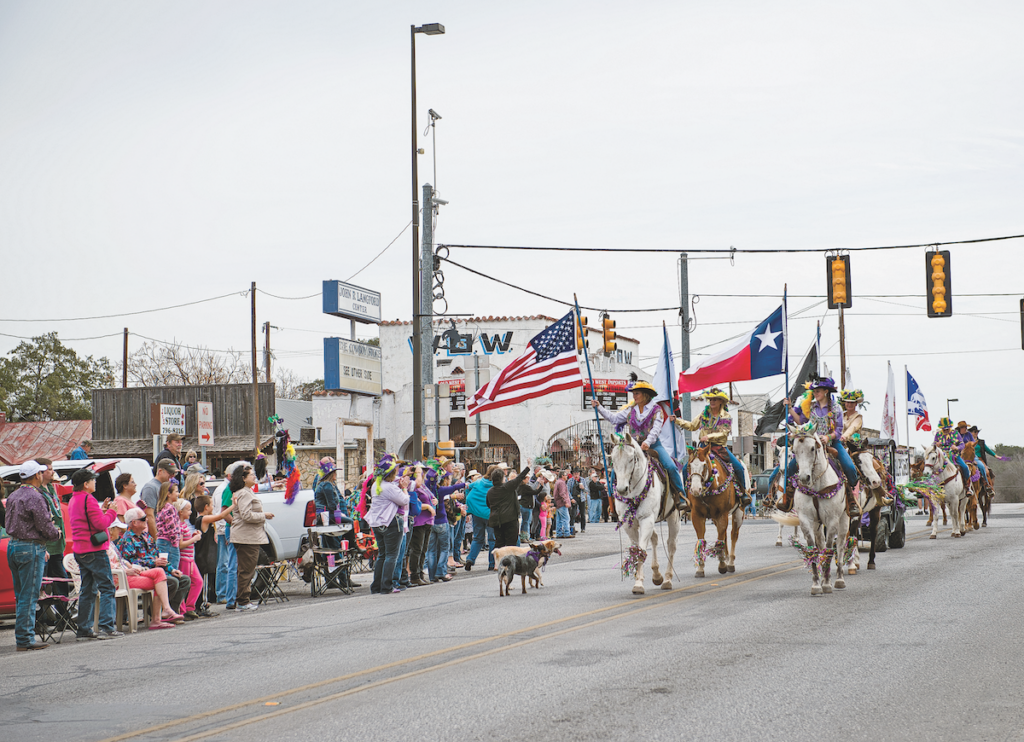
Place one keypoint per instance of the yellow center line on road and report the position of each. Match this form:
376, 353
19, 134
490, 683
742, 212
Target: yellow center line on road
397, 663
662, 597
478, 655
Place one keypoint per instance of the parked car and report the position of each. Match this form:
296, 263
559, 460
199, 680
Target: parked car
287, 529
109, 470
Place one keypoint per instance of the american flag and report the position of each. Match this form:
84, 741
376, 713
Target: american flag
548, 365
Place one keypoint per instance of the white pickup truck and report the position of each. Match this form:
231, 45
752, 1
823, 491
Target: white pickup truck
286, 529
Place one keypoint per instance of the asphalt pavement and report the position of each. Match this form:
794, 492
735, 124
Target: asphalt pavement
923, 648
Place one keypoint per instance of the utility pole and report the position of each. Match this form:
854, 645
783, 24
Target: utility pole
124, 362
426, 288
684, 348
842, 350
255, 377
266, 349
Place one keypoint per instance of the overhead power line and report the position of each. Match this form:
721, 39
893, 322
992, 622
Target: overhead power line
131, 314
733, 250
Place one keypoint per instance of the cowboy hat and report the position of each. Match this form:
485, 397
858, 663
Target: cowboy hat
715, 393
852, 395
961, 424
643, 386
823, 382
550, 476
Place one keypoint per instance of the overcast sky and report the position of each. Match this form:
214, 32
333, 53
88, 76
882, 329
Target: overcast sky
160, 153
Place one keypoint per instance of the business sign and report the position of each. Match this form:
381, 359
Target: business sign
352, 366
204, 423
611, 393
457, 389
352, 302
172, 419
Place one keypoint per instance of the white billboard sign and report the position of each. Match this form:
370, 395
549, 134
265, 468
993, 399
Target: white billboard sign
172, 419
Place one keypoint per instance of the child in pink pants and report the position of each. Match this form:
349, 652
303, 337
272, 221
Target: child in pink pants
188, 557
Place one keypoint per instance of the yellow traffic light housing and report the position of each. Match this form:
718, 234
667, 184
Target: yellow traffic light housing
938, 287
837, 270
446, 448
582, 341
608, 334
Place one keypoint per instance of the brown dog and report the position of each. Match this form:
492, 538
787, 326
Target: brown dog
525, 565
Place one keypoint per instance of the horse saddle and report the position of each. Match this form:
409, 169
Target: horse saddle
670, 496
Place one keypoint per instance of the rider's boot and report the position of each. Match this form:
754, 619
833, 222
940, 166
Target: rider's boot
787, 499
682, 503
745, 498
852, 508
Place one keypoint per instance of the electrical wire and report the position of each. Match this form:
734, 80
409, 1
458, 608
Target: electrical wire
132, 314
68, 340
734, 250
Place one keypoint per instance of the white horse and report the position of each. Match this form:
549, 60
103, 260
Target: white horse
820, 503
936, 464
641, 501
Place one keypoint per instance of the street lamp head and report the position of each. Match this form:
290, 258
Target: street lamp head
434, 115
431, 29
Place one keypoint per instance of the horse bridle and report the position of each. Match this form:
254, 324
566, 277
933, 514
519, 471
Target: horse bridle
632, 465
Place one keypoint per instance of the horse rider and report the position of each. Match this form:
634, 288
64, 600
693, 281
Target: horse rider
949, 440
827, 418
853, 421
715, 425
970, 436
644, 422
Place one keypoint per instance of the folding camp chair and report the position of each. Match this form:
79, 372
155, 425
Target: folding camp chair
330, 567
61, 608
266, 582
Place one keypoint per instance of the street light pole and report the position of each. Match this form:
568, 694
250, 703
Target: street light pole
430, 29
947, 405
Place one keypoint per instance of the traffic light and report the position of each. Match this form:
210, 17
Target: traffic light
938, 284
608, 334
446, 448
837, 270
582, 341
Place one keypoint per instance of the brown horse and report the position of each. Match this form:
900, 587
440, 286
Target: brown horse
713, 496
871, 497
982, 493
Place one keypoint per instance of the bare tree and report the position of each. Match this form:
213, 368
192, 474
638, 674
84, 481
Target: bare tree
174, 364
287, 384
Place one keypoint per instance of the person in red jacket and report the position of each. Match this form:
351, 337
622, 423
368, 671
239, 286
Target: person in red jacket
89, 524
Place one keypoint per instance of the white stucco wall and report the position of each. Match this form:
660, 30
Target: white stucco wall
531, 423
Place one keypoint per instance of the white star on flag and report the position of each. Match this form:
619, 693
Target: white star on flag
767, 338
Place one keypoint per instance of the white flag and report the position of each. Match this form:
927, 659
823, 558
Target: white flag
664, 382
889, 427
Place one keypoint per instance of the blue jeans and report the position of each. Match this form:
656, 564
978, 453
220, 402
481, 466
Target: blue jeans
402, 549
458, 533
389, 539
525, 523
227, 568
481, 531
846, 462
594, 514
670, 466
561, 522
964, 469
173, 553
437, 552
26, 560
96, 577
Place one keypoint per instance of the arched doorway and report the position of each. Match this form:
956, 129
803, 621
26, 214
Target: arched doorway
500, 447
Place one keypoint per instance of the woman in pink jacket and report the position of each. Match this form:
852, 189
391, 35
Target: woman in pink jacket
89, 523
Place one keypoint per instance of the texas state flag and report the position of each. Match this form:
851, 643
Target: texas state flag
757, 355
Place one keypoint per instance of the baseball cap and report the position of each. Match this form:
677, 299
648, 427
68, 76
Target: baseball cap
30, 468
119, 524
134, 514
80, 477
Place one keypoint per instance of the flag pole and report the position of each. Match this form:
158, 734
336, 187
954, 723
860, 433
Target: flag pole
785, 361
906, 403
593, 391
668, 377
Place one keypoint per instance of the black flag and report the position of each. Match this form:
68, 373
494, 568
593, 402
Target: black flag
774, 414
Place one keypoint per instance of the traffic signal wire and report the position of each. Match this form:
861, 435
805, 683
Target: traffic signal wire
735, 250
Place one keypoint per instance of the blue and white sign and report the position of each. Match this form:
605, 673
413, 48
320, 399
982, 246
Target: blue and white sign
352, 366
352, 302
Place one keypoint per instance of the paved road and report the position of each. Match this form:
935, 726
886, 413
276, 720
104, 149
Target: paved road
926, 647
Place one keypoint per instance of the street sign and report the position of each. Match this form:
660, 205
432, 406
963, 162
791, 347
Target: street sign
204, 423
172, 419
352, 366
352, 302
